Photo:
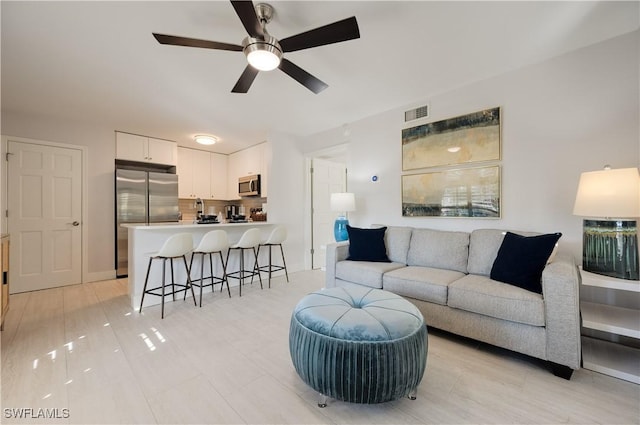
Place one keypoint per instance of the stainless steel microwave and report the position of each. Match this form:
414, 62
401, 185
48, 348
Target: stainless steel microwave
249, 185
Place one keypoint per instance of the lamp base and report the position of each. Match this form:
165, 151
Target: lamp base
340, 229
610, 248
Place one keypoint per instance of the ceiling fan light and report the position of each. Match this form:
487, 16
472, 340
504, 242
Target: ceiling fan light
205, 140
263, 60
263, 55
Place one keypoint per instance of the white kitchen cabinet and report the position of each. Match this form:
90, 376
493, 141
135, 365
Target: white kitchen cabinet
194, 174
250, 160
162, 151
264, 173
233, 173
219, 171
253, 160
132, 147
603, 356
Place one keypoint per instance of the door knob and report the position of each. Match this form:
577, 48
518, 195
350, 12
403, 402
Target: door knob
75, 223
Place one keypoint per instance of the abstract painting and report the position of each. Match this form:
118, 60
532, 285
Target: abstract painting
467, 192
465, 139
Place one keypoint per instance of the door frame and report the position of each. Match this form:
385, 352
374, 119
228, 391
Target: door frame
337, 153
84, 202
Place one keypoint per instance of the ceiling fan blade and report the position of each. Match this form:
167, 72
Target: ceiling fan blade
245, 80
302, 76
194, 42
344, 30
247, 14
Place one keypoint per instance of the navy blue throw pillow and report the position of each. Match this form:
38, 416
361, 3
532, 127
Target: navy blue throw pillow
367, 245
521, 260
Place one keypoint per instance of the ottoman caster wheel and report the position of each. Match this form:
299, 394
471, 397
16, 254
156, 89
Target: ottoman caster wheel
412, 395
322, 401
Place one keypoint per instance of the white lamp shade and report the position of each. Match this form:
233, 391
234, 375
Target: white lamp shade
343, 202
609, 194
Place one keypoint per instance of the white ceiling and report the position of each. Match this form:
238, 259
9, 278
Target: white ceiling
98, 62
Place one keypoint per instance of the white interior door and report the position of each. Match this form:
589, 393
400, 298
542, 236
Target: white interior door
44, 215
327, 177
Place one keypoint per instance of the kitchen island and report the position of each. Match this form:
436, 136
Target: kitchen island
145, 240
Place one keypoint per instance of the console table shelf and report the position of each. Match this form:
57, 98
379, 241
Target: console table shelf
611, 359
606, 357
608, 318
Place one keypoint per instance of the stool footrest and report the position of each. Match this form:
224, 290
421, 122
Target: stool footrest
216, 280
274, 268
169, 292
247, 273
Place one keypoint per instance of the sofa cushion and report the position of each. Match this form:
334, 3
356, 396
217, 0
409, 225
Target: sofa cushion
439, 249
423, 283
367, 244
521, 259
397, 240
483, 249
365, 273
482, 295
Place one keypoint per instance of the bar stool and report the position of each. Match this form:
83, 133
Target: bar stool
249, 240
213, 242
175, 247
277, 236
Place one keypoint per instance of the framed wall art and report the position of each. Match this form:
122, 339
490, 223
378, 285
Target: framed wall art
466, 192
465, 139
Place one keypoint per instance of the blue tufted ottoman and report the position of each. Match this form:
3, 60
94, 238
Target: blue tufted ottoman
360, 345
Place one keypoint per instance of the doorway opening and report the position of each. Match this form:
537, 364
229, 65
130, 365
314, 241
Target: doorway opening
327, 173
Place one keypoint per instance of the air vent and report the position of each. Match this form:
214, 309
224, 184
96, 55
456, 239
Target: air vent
414, 114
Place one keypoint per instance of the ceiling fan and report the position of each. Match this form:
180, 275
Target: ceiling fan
265, 52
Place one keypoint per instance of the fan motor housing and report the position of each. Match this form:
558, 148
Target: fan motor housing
264, 11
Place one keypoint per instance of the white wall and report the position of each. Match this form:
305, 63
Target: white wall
561, 117
101, 154
286, 195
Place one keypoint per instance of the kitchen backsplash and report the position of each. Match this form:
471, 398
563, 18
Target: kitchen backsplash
188, 206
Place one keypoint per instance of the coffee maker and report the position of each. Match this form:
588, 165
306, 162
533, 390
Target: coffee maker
199, 205
231, 211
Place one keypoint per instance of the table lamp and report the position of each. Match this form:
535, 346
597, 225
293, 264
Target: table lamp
610, 198
342, 203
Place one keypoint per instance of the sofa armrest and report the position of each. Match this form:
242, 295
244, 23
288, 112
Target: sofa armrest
337, 251
560, 288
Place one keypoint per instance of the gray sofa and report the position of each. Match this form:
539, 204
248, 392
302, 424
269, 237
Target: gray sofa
446, 275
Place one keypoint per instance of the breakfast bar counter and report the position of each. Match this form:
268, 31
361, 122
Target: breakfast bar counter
145, 240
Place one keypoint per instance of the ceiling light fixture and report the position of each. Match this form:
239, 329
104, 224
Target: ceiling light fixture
205, 140
454, 149
264, 55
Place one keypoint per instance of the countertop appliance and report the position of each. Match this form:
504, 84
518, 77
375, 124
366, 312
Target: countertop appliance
142, 197
249, 185
238, 219
199, 206
231, 211
208, 219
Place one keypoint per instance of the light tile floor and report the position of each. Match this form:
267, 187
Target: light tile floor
82, 348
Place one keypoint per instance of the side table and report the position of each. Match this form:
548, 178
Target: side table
611, 358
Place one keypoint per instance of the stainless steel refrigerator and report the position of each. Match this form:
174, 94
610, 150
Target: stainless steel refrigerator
142, 197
